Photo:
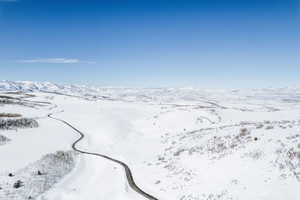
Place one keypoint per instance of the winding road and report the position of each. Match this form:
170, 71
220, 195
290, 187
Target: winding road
128, 172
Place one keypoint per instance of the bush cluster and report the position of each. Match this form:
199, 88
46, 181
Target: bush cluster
18, 123
10, 115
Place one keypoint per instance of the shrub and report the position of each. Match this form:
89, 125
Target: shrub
10, 115
18, 123
3, 139
18, 184
244, 132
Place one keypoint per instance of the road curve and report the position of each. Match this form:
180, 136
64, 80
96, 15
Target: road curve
128, 172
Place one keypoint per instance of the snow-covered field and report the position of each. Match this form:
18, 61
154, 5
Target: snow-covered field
180, 143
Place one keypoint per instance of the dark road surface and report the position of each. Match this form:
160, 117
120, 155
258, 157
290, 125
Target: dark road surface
128, 172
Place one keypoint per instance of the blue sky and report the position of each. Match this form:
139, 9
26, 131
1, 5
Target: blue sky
151, 43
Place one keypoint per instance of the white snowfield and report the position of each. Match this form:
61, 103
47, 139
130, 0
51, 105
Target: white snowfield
180, 143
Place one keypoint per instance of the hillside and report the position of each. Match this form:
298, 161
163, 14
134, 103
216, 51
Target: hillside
180, 143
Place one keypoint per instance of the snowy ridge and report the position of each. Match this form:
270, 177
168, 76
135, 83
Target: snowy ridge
30, 86
166, 95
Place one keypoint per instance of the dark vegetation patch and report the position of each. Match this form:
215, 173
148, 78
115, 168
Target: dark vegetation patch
7, 124
288, 160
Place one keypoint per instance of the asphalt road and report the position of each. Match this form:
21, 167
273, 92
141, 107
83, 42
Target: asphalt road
128, 172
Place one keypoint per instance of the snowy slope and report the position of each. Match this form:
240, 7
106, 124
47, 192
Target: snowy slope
181, 143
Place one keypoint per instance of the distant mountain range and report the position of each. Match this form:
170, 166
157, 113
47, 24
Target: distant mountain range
164, 95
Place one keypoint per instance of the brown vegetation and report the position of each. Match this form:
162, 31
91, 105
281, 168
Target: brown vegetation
10, 115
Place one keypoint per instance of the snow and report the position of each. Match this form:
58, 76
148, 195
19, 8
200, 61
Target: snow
180, 143
37, 177
28, 145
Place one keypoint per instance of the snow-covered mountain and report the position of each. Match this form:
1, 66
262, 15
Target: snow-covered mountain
31, 86
164, 95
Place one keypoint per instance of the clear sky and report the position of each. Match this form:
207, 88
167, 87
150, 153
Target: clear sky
151, 43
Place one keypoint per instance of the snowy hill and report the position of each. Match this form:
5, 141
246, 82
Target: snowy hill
30, 86
154, 94
180, 143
